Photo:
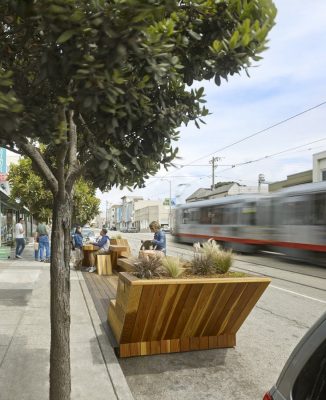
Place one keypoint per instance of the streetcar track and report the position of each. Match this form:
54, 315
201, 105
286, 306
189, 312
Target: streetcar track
280, 279
280, 269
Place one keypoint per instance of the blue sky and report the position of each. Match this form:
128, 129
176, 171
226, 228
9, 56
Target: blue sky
289, 80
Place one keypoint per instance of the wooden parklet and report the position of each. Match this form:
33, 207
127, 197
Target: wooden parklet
116, 252
174, 315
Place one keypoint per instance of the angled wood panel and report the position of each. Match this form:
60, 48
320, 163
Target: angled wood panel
172, 315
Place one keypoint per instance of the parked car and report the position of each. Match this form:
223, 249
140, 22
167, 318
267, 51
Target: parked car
88, 235
304, 374
132, 230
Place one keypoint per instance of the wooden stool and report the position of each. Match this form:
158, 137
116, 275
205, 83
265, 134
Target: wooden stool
103, 264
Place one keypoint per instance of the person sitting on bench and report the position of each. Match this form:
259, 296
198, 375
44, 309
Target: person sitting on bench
103, 244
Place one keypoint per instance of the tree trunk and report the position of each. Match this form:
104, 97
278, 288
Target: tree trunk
60, 379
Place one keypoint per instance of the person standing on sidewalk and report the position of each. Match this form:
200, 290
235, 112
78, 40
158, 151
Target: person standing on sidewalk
43, 240
36, 247
20, 241
78, 242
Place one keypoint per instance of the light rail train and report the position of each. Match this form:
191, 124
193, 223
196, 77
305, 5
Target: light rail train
292, 222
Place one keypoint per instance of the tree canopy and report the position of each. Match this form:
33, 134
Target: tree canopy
122, 68
30, 188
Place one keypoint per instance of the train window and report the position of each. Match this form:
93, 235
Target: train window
217, 217
190, 215
264, 212
319, 209
248, 214
296, 211
230, 214
210, 215
205, 215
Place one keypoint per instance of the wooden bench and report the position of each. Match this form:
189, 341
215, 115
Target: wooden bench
125, 265
104, 264
122, 242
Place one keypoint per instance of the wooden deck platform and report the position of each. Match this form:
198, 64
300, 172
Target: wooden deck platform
103, 289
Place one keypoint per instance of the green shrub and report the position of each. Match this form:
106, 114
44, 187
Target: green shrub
148, 267
173, 266
210, 259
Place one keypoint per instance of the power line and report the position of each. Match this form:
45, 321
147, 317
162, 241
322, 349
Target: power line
272, 155
257, 133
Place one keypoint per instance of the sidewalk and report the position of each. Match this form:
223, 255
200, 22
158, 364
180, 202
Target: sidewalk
25, 337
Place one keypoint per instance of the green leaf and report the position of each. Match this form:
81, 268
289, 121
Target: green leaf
234, 39
65, 36
193, 34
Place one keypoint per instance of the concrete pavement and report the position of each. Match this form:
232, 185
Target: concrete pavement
25, 337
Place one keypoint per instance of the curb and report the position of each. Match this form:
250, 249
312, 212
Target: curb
116, 376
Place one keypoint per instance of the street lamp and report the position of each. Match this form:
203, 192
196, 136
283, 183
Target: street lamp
170, 199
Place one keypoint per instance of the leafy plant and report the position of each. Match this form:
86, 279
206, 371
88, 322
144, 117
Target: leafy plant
148, 267
210, 259
173, 266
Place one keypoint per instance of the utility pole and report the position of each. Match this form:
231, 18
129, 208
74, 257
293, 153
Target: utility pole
213, 161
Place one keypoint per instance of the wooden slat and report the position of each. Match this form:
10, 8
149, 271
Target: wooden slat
165, 346
175, 345
203, 342
186, 311
125, 350
249, 306
162, 317
155, 347
223, 295
229, 308
135, 335
198, 310
194, 343
131, 314
145, 348
174, 312
151, 323
115, 322
135, 349
184, 344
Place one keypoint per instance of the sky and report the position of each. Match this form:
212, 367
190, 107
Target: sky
289, 80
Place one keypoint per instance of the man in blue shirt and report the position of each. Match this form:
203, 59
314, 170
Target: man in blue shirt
159, 241
103, 244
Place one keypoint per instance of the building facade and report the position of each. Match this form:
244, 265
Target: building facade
229, 189
316, 174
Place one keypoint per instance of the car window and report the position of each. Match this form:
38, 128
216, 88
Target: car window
311, 382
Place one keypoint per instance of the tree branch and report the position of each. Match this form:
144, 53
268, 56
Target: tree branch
74, 170
74, 174
33, 153
62, 150
72, 140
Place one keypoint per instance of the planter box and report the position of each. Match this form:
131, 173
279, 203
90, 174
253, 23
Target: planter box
174, 315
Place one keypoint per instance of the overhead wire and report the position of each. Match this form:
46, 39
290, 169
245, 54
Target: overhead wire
256, 133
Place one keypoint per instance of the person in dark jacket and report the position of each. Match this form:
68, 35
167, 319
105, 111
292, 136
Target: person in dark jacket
159, 241
78, 243
103, 244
